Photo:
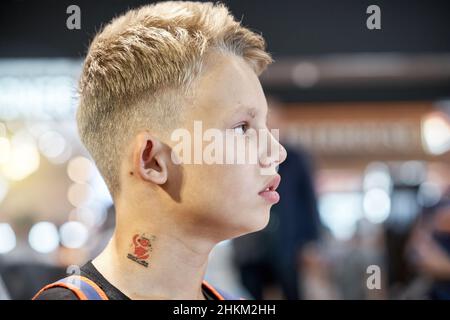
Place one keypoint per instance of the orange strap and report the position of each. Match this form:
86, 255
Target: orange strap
68, 283
82, 296
213, 291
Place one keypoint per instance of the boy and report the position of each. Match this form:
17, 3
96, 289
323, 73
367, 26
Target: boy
150, 72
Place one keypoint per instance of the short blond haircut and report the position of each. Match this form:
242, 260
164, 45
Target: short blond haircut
142, 63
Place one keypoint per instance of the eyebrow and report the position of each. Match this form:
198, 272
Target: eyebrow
251, 111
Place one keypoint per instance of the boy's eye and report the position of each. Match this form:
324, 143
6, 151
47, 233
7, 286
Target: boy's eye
241, 129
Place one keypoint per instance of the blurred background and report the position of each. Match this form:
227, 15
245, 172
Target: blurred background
364, 114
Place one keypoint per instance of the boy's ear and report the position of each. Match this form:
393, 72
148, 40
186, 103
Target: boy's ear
149, 159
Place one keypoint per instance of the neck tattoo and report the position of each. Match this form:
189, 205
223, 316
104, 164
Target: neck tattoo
141, 248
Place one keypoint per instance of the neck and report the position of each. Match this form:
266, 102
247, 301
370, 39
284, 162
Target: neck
171, 267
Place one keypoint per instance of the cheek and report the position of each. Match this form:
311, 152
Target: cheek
224, 182
234, 183
221, 187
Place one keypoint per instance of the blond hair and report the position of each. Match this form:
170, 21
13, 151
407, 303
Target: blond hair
142, 63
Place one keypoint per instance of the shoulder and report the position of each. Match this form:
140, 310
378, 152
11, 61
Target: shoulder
57, 293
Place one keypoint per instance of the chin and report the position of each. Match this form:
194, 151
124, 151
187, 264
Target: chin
264, 221
260, 220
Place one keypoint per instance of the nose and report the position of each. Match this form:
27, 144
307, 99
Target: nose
283, 153
277, 155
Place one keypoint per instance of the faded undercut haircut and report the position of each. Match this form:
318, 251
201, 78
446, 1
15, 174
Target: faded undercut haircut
139, 67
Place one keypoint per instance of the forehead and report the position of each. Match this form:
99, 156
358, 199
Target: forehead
228, 86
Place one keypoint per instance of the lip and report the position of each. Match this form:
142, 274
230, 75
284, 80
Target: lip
271, 195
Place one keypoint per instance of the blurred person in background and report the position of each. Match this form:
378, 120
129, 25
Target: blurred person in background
275, 254
27, 271
429, 249
3, 292
23, 279
20, 280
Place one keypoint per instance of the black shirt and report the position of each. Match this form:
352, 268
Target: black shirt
90, 272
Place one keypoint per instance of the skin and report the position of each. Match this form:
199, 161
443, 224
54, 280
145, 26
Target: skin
187, 209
